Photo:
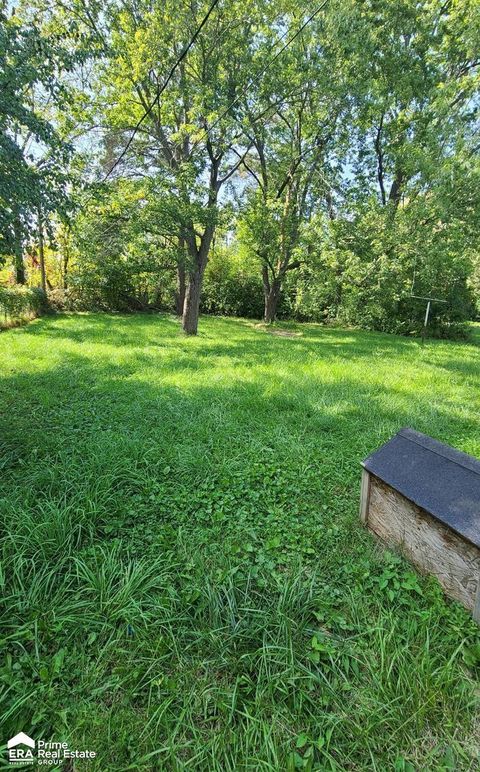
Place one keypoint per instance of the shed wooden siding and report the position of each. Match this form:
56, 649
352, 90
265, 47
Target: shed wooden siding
424, 497
431, 546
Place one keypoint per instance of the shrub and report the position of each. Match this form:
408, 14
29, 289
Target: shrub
232, 286
366, 271
68, 299
18, 303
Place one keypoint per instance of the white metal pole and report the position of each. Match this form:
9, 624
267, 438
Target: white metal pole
427, 313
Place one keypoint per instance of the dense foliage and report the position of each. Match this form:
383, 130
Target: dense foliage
34, 153
18, 303
331, 152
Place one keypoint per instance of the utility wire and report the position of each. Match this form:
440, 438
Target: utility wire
261, 73
234, 102
162, 89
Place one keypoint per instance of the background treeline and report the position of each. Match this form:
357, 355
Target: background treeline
310, 163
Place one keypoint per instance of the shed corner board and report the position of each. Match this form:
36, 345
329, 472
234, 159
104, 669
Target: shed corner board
476, 605
364, 496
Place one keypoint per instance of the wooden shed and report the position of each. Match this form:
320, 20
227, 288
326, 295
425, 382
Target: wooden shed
424, 497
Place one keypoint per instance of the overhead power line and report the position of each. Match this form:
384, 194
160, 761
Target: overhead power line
235, 101
260, 74
162, 89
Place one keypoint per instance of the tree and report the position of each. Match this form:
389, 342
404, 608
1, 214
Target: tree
293, 122
413, 77
33, 155
407, 206
189, 132
347, 138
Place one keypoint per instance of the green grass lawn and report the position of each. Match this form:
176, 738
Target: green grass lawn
185, 582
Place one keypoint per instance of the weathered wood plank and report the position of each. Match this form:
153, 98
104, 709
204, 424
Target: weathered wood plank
428, 544
476, 608
364, 496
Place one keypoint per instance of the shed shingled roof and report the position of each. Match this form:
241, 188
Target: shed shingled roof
441, 480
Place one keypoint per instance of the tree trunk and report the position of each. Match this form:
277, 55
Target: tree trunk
66, 257
181, 287
272, 296
191, 306
65, 270
396, 189
198, 262
41, 253
19, 264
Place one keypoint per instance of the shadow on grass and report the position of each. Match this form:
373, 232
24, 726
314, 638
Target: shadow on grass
168, 397
132, 390
244, 339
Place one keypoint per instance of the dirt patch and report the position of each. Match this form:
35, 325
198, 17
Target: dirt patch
285, 333
261, 326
